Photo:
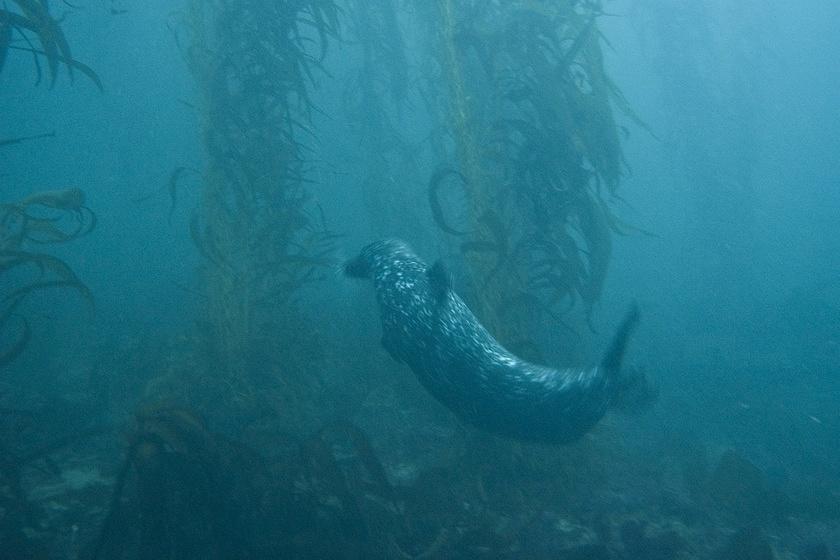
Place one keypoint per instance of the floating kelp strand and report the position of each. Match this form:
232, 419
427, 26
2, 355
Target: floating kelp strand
5, 41
70, 63
63, 199
18, 295
49, 35
435, 183
8, 355
21, 139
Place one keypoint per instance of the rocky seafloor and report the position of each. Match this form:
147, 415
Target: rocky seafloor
169, 486
395, 476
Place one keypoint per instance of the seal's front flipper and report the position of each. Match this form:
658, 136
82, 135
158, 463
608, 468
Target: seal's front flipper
391, 348
440, 281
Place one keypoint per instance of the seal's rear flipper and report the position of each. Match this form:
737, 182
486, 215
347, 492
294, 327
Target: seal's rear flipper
612, 359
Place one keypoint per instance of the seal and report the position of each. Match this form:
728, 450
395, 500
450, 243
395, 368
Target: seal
428, 327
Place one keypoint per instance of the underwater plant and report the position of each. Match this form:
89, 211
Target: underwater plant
260, 233
46, 217
39, 219
376, 101
27, 227
185, 491
178, 508
535, 149
32, 20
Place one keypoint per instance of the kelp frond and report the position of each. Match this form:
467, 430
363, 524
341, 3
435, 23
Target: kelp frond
38, 219
543, 142
33, 17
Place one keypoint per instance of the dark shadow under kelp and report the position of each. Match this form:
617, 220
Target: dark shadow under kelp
186, 491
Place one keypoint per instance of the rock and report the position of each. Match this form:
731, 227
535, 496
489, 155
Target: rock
816, 551
640, 543
550, 535
749, 543
740, 489
588, 552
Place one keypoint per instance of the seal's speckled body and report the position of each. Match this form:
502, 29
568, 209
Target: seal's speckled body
429, 328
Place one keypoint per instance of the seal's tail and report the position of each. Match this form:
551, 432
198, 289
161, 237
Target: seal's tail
612, 359
633, 391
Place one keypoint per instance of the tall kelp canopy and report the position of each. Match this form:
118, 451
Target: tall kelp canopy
261, 235
534, 147
375, 101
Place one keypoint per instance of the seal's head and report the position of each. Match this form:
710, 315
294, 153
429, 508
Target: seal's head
379, 256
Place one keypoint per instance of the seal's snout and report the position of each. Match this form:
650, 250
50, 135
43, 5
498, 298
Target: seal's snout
356, 268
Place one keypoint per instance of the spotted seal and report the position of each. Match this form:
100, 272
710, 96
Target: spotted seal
428, 327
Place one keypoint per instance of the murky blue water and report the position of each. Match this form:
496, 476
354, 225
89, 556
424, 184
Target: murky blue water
185, 373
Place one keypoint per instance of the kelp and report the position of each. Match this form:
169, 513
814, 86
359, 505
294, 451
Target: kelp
42, 218
75, 64
384, 70
8, 355
186, 491
34, 17
177, 470
532, 113
376, 96
21, 139
5, 42
261, 234
176, 177
436, 182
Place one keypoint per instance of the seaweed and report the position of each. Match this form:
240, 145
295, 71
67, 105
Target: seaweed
177, 470
435, 184
261, 235
376, 97
41, 218
34, 17
531, 109
9, 354
5, 41
21, 139
183, 490
176, 176
70, 63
